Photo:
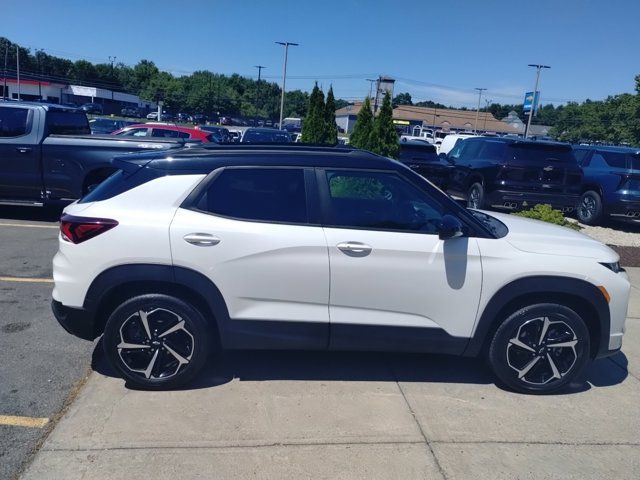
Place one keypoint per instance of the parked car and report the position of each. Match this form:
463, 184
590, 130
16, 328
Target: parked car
421, 157
514, 174
611, 186
49, 155
164, 130
218, 134
199, 119
94, 108
105, 126
450, 141
297, 247
265, 135
183, 117
131, 112
152, 116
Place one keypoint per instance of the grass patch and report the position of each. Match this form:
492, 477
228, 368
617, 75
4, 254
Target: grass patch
548, 214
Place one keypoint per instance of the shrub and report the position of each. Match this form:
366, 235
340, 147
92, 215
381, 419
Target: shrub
547, 214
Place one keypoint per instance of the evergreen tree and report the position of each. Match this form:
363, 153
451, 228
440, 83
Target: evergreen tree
313, 130
361, 136
384, 138
331, 129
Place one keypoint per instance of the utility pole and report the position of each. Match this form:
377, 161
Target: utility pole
371, 82
112, 60
284, 76
486, 111
18, 70
6, 58
259, 67
535, 92
480, 90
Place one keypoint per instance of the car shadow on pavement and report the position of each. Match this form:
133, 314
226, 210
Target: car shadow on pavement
34, 214
265, 365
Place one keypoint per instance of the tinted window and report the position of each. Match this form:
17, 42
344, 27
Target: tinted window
13, 121
259, 136
165, 133
417, 152
635, 161
536, 153
580, 154
381, 201
67, 123
491, 150
615, 159
268, 194
470, 149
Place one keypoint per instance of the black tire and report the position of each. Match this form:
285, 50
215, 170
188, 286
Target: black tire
537, 367
475, 196
159, 361
589, 209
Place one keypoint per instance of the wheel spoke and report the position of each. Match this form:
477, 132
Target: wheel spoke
147, 372
145, 323
131, 345
518, 343
554, 369
179, 357
571, 343
177, 326
528, 367
545, 327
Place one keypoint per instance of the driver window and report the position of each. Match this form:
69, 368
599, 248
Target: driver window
380, 201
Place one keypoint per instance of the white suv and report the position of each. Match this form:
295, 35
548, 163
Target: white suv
294, 247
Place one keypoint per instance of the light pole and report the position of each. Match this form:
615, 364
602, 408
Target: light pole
259, 67
480, 90
535, 91
487, 103
371, 82
112, 60
284, 76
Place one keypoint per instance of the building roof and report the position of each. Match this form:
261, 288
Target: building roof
440, 117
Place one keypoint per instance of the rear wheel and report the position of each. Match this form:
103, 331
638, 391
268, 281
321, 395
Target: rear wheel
589, 209
475, 196
157, 341
540, 348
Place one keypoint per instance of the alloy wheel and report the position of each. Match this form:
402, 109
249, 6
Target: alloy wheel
587, 207
542, 351
474, 198
155, 343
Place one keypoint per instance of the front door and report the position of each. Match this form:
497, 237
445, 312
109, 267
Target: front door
394, 284
250, 234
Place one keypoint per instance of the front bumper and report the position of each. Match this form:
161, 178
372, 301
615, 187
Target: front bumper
76, 321
517, 200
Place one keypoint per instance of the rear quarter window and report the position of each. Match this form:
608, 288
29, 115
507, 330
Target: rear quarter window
120, 182
67, 123
14, 122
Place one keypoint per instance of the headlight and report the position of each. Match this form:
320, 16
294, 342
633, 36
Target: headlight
614, 267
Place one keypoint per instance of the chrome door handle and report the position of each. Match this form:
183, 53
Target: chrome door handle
354, 249
201, 239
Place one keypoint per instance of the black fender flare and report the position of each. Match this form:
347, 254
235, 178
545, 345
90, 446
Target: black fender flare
541, 287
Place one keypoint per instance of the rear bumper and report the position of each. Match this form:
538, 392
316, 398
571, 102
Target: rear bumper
76, 321
624, 208
514, 200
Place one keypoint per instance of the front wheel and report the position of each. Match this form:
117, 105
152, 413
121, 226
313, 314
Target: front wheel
475, 196
540, 348
157, 341
589, 209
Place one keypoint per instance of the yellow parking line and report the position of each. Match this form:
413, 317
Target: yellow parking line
28, 225
26, 280
15, 421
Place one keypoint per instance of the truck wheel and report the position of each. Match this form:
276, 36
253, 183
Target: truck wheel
540, 348
475, 196
589, 209
157, 341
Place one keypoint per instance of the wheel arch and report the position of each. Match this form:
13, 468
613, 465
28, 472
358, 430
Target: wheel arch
119, 283
594, 187
579, 295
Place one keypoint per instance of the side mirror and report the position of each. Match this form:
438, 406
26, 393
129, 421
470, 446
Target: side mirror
450, 227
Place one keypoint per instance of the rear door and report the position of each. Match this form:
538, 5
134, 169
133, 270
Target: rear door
20, 173
251, 233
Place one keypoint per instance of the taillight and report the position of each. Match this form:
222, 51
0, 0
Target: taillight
79, 229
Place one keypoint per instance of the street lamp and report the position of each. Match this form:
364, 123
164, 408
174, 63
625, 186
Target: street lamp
480, 90
259, 67
487, 103
535, 91
284, 76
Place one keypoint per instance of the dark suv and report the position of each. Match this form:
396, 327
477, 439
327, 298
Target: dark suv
422, 158
513, 174
611, 184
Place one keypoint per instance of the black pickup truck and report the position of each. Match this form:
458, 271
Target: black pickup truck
48, 155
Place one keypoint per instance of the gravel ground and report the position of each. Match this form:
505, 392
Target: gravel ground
615, 234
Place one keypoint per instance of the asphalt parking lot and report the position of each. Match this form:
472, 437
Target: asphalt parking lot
290, 414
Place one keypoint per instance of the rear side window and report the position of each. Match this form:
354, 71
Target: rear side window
14, 122
165, 133
67, 123
615, 159
261, 194
491, 150
580, 154
536, 153
120, 182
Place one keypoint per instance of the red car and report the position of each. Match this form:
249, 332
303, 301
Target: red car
164, 130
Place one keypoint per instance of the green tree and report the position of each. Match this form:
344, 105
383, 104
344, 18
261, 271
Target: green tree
361, 136
330, 127
402, 99
384, 139
313, 128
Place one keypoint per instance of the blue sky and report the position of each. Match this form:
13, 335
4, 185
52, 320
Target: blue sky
438, 50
